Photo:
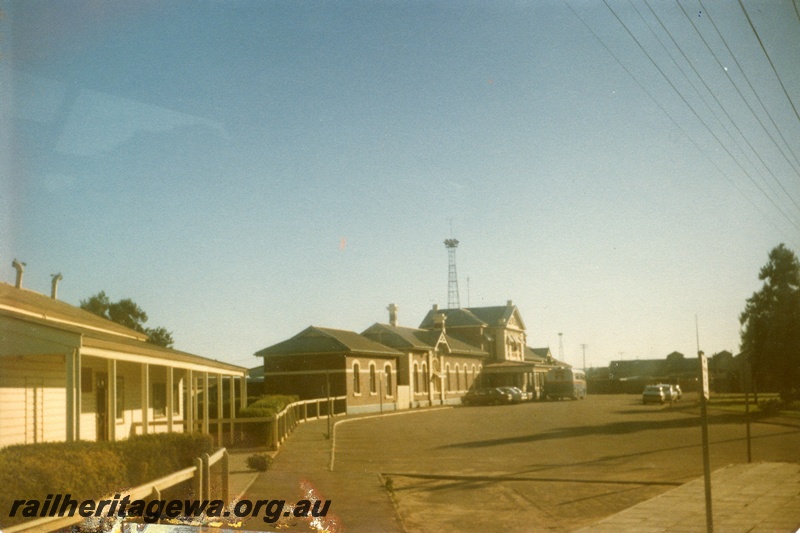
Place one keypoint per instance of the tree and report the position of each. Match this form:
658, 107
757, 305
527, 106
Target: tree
127, 313
771, 325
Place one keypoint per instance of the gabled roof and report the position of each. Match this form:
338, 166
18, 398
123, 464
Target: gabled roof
538, 354
475, 316
33, 304
316, 340
403, 338
455, 318
32, 310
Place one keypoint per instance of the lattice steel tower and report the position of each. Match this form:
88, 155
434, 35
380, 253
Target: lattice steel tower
452, 284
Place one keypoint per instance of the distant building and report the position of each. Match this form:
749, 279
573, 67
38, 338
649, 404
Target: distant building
674, 368
451, 351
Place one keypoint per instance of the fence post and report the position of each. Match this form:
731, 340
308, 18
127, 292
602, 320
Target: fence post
226, 470
274, 428
198, 479
206, 476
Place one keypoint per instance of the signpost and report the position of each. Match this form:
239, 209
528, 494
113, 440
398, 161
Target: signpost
704, 395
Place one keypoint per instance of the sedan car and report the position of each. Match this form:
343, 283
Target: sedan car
490, 396
516, 394
654, 394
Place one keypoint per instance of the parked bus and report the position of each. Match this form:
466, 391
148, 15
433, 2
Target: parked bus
565, 383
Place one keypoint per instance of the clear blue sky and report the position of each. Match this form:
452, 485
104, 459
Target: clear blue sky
245, 169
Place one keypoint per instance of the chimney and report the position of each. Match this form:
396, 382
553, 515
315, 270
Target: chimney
435, 307
54, 289
20, 269
509, 303
438, 321
393, 314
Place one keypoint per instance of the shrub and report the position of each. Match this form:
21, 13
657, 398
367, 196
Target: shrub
153, 456
90, 470
267, 406
259, 461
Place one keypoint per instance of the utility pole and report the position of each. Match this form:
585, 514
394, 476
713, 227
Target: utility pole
584, 356
704, 396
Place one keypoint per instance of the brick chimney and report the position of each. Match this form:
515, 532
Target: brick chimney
438, 321
393, 314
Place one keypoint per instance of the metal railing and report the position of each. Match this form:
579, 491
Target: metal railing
280, 425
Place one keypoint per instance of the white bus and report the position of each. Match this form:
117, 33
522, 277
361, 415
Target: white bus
565, 383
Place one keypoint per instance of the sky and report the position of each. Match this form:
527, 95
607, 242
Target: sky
242, 170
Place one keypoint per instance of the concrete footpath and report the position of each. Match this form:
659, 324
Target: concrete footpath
755, 498
300, 471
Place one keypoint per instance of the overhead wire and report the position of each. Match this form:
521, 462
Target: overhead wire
703, 152
747, 103
711, 92
695, 113
769, 59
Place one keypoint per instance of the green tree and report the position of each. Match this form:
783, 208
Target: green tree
771, 325
127, 313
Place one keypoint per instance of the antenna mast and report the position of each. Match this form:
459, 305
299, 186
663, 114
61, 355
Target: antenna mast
452, 282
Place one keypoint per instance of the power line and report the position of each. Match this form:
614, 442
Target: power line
750, 85
769, 59
713, 95
694, 112
752, 111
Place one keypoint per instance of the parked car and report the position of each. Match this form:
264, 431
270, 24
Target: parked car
654, 394
673, 392
516, 394
489, 396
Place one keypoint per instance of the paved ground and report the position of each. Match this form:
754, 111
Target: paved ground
557, 466
757, 498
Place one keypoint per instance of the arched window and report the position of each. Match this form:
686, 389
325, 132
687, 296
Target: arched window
356, 378
416, 378
466, 386
425, 381
388, 369
449, 384
473, 375
373, 383
458, 378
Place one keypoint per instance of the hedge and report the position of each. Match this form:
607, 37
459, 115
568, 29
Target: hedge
267, 406
90, 470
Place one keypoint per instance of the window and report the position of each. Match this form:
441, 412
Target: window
86, 380
388, 369
158, 399
466, 386
458, 378
425, 381
373, 383
120, 407
416, 378
449, 384
356, 378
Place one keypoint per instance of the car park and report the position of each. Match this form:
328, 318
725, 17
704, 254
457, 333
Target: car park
489, 396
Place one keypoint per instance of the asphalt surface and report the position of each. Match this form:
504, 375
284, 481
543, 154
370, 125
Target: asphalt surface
553, 466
